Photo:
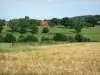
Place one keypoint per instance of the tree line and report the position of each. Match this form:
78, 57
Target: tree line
23, 25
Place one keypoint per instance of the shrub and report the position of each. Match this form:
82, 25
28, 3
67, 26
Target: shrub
2, 23
79, 37
71, 39
60, 37
94, 41
23, 30
1, 38
87, 39
1, 28
21, 38
45, 39
31, 38
9, 38
45, 30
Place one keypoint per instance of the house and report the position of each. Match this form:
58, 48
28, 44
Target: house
44, 24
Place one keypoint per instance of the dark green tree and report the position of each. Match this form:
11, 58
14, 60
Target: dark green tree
54, 21
45, 30
1, 38
78, 26
60, 37
65, 21
27, 17
92, 21
34, 21
31, 38
23, 30
34, 29
79, 37
14, 25
2, 23
21, 38
24, 23
9, 38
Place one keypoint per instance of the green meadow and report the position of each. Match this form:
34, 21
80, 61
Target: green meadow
92, 32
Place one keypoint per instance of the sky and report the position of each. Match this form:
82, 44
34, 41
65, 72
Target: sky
47, 9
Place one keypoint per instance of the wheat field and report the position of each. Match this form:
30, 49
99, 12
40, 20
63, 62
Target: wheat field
64, 59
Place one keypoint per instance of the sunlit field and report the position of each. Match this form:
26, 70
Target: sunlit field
64, 59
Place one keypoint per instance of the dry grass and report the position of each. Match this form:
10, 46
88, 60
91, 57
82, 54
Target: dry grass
66, 59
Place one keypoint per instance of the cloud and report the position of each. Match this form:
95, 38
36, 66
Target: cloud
38, 0
93, 2
49, 0
79, 3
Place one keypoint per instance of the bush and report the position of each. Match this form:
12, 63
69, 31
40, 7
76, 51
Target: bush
45, 39
9, 38
23, 30
87, 39
1, 28
60, 37
79, 37
31, 38
71, 39
21, 38
45, 30
1, 38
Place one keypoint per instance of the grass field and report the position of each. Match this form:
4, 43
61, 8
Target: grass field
64, 59
93, 32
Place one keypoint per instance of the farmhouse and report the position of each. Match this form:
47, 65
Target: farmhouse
44, 24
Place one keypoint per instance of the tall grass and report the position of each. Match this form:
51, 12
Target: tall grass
16, 47
65, 59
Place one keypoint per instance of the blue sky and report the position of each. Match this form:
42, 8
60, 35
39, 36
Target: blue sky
47, 9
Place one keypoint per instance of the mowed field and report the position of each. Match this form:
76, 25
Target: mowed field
92, 32
64, 59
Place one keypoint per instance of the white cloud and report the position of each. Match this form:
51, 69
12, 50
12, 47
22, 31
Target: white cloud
93, 2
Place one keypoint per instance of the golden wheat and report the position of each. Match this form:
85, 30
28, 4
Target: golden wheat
65, 59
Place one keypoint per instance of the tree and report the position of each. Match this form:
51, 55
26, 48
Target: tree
23, 30
34, 21
14, 25
92, 21
33, 26
65, 21
24, 23
27, 17
2, 23
1, 38
54, 21
34, 29
1, 28
60, 37
45, 30
21, 38
78, 26
9, 38
31, 38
